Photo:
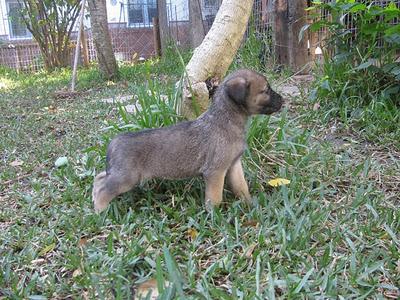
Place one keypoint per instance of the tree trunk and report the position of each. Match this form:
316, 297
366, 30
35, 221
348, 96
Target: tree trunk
215, 54
165, 35
101, 38
196, 23
282, 32
299, 52
290, 17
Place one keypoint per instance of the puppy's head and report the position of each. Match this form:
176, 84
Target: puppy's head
251, 91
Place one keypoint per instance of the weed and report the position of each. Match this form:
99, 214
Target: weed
360, 81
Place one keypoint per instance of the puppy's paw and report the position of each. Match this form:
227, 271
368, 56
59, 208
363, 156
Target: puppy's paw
211, 205
99, 206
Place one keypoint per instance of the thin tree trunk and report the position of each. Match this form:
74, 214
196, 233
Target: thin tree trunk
196, 23
299, 52
215, 54
101, 38
282, 32
85, 51
165, 34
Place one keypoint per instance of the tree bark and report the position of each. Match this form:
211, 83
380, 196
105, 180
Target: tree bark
101, 38
165, 35
196, 23
299, 52
215, 54
282, 32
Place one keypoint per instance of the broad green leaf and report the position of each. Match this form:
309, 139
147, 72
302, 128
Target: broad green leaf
365, 65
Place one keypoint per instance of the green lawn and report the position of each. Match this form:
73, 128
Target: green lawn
332, 233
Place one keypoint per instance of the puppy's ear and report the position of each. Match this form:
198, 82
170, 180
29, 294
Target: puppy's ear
237, 89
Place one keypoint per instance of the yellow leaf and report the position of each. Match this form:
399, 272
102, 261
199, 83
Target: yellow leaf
77, 272
147, 287
278, 182
192, 233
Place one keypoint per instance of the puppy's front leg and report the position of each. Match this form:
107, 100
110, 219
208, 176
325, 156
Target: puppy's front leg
238, 182
214, 188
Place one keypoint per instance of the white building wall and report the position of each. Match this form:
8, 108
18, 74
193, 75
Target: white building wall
114, 13
4, 28
178, 10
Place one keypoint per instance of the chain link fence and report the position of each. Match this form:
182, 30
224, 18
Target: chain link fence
133, 35
132, 32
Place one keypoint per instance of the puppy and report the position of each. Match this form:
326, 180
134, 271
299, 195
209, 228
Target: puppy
210, 146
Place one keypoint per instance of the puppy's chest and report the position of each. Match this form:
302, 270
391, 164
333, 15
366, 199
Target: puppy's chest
225, 151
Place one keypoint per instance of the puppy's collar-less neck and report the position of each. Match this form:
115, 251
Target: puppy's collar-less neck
228, 112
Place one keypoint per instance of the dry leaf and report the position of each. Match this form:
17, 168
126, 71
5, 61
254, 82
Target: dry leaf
278, 182
77, 272
52, 109
82, 242
250, 223
192, 233
149, 286
38, 261
249, 251
16, 163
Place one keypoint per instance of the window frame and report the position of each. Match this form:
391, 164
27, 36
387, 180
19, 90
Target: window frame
145, 5
11, 33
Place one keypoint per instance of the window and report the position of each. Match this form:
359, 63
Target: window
16, 24
208, 3
141, 12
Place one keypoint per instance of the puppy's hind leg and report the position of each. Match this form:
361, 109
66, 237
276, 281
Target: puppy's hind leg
107, 186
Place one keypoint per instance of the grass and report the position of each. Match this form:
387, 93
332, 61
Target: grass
332, 233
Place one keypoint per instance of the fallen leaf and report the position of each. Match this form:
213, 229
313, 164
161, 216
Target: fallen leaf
146, 288
316, 106
250, 223
278, 182
249, 251
82, 242
38, 261
192, 233
61, 161
52, 109
16, 163
77, 272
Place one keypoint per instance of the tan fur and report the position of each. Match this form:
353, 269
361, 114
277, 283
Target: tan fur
237, 181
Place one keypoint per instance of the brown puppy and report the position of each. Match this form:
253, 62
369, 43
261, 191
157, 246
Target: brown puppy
211, 145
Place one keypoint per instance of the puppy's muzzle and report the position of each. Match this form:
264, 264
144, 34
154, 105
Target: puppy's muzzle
275, 104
